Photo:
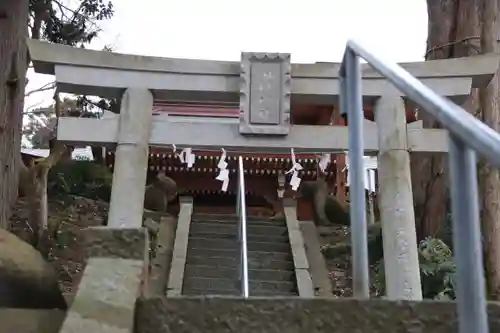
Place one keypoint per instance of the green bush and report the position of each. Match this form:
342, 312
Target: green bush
437, 270
80, 177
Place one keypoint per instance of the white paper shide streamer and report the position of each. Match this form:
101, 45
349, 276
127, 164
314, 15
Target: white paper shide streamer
296, 167
346, 168
223, 175
324, 161
186, 156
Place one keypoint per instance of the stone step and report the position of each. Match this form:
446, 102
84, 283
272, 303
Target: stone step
228, 262
236, 222
229, 217
234, 237
214, 285
225, 228
208, 271
253, 256
235, 292
200, 292
210, 243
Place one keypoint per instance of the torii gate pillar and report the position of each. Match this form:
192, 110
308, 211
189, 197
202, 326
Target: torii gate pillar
131, 164
402, 273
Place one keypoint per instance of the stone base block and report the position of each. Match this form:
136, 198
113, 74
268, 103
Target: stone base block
116, 242
106, 297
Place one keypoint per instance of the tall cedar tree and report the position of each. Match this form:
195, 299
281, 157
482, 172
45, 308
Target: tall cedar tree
50, 20
459, 28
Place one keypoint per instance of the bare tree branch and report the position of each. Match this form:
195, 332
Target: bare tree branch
32, 107
45, 87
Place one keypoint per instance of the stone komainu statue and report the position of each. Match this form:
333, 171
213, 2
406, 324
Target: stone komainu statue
327, 210
159, 193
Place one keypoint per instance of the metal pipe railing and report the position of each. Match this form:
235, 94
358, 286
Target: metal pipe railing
351, 99
467, 135
242, 230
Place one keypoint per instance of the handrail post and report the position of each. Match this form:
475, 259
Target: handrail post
466, 229
242, 232
352, 101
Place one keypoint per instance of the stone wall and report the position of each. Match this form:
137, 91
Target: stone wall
196, 315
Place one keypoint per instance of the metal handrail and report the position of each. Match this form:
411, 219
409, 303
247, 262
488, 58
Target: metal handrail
242, 229
467, 135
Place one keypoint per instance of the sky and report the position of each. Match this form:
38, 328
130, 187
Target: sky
312, 30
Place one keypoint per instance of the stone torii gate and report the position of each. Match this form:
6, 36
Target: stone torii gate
265, 85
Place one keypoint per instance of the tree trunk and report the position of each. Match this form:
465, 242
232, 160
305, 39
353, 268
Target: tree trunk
427, 170
13, 66
460, 28
488, 175
453, 30
35, 185
33, 182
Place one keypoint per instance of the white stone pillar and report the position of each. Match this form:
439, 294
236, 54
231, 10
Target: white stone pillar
396, 202
131, 159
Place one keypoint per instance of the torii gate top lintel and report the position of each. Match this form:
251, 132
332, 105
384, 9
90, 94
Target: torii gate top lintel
264, 84
46, 56
107, 74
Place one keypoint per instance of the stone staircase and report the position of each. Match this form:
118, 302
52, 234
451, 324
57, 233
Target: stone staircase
214, 253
